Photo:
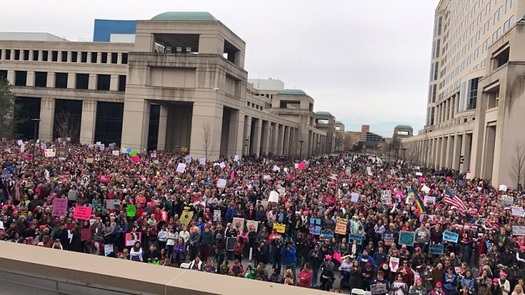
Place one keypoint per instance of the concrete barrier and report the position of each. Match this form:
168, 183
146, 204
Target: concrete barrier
28, 269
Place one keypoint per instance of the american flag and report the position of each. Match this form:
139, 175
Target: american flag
451, 199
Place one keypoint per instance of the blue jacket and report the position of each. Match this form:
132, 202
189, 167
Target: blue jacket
288, 256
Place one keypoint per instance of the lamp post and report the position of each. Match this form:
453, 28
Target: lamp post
35, 121
301, 149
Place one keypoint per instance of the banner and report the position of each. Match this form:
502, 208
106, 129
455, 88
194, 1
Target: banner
279, 227
436, 249
82, 213
60, 207
357, 237
315, 226
133, 237
341, 225
449, 236
131, 210
406, 238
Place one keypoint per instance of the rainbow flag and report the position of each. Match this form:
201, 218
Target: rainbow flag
420, 206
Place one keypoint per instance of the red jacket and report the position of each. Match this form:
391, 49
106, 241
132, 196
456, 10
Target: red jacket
305, 279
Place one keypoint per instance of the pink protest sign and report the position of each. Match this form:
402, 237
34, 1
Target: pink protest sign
422, 179
135, 159
104, 178
82, 213
301, 166
60, 207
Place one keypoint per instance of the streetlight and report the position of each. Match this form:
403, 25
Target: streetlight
35, 121
301, 149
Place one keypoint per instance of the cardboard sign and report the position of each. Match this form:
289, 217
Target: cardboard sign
221, 183
394, 264
181, 167
252, 224
327, 234
341, 225
518, 230
388, 239
354, 197
131, 210
274, 197
112, 203
279, 227
108, 249
435, 249
60, 207
517, 211
82, 213
356, 237
406, 238
449, 236
133, 237
185, 218
315, 226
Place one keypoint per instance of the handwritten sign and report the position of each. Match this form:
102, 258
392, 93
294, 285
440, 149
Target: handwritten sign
502, 187
406, 238
131, 210
518, 230
327, 234
378, 289
279, 227
386, 197
435, 249
59, 207
82, 213
517, 211
356, 237
506, 200
274, 197
133, 237
181, 167
112, 203
354, 197
186, 217
425, 189
221, 183
341, 226
449, 236
315, 226
388, 239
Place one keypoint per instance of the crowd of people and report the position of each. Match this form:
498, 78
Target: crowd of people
338, 222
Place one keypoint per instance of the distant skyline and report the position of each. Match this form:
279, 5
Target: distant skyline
366, 62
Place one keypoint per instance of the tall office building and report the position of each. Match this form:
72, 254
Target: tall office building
476, 48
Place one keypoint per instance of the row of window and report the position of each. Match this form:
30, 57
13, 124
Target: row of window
255, 106
103, 81
64, 56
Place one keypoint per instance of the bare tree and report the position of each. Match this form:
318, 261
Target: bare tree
207, 137
339, 142
517, 170
66, 127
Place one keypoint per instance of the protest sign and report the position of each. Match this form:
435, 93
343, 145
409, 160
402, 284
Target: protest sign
252, 224
185, 218
502, 187
115, 152
449, 236
202, 161
49, 153
181, 167
221, 183
301, 166
388, 239
386, 197
217, 215
517, 211
133, 237
236, 158
279, 227
112, 203
276, 168
238, 224
394, 263
435, 249
506, 200
60, 207
187, 159
327, 234
315, 226
274, 197
518, 230
356, 237
369, 171
354, 197
429, 200
108, 249
131, 210
425, 189
230, 242
104, 178
406, 238
341, 225
377, 289
82, 213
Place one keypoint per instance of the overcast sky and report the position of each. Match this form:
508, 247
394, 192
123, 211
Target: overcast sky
366, 62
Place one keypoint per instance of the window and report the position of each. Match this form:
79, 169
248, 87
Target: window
108, 122
94, 57
17, 54
3, 74
508, 5
122, 83
103, 82
26, 54
104, 57
124, 58
35, 55
114, 57
54, 55
45, 55
83, 57
61, 80
40, 79
74, 56
20, 78
82, 81
7, 54
0, 54
64, 56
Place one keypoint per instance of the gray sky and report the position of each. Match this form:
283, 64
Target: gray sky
366, 62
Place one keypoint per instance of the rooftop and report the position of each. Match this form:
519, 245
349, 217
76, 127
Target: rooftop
292, 92
323, 113
184, 16
403, 127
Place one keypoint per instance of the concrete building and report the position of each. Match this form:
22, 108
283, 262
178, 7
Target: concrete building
402, 131
339, 136
474, 101
326, 121
175, 82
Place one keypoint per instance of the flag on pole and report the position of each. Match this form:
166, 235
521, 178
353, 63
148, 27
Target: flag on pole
417, 202
451, 199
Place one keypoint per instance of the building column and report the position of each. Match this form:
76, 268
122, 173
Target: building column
92, 83
51, 80
457, 151
266, 137
47, 115
163, 124
11, 76
235, 137
135, 124
281, 139
247, 135
113, 83
466, 149
30, 81
256, 146
87, 124
206, 114
286, 143
275, 138
71, 83
450, 151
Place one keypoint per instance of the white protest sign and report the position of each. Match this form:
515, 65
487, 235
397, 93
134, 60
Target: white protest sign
518, 230
115, 152
236, 158
274, 197
181, 167
429, 199
202, 161
386, 197
49, 153
502, 187
187, 159
369, 171
276, 168
425, 189
517, 211
394, 264
221, 183
354, 197
222, 165
419, 174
